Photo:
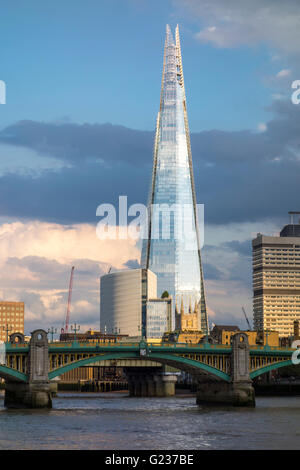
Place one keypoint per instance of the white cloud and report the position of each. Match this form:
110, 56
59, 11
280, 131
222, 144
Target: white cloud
283, 73
262, 126
237, 22
278, 96
25, 161
63, 243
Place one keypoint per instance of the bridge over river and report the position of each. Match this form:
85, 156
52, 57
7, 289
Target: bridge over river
224, 372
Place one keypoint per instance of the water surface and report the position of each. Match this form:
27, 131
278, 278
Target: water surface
115, 421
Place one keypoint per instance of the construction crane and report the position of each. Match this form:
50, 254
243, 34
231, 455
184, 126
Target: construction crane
65, 330
246, 318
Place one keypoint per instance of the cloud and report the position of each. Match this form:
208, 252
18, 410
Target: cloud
26, 161
35, 264
212, 272
63, 242
234, 171
70, 142
240, 22
225, 300
227, 269
133, 264
283, 73
262, 127
241, 247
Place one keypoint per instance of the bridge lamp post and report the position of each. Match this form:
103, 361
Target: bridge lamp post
140, 332
267, 340
52, 332
75, 328
7, 329
206, 339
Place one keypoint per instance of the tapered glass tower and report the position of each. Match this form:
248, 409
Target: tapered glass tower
171, 248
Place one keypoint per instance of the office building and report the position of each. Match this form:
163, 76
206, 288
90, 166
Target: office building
276, 279
123, 297
158, 317
11, 319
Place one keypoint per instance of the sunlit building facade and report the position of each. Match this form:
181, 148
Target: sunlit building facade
11, 319
172, 246
276, 280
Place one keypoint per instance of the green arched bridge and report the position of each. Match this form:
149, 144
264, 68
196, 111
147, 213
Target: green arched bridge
224, 373
205, 358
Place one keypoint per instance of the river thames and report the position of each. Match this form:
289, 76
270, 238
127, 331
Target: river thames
113, 421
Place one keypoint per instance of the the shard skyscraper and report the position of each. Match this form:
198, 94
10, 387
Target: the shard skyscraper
171, 248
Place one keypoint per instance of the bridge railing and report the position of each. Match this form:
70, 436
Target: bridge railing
191, 345
87, 344
270, 348
79, 344
153, 346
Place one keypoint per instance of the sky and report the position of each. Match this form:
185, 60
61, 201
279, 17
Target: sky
82, 93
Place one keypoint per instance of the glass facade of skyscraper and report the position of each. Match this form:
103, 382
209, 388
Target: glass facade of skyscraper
172, 249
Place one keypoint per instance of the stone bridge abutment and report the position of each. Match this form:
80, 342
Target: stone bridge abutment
35, 392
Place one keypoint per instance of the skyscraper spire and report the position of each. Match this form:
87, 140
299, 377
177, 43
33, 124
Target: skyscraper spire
172, 250
181, 306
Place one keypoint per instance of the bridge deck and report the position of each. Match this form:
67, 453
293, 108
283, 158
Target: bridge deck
205, 358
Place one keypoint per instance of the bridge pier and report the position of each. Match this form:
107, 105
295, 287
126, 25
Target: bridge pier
226, 393
36, 393
21, 395
151, 384
165, 384
239, 391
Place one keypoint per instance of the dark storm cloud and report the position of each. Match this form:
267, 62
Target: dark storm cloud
240, 176
72, 194
132, 264
212, 272
243, 248
75, 143
229, 261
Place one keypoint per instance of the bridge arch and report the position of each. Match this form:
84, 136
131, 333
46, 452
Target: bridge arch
178, 362
7, 373
270, 367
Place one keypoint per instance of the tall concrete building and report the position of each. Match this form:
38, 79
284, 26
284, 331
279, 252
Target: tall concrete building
123, 298
11, 318
276, 279
172, 247
129, 305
